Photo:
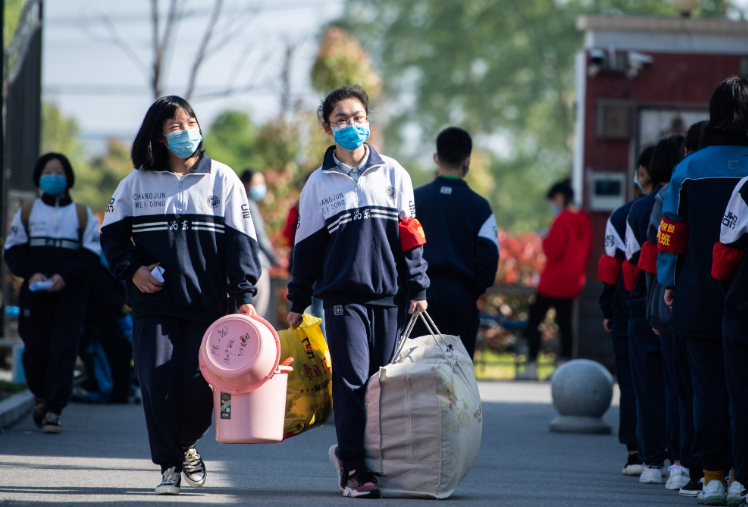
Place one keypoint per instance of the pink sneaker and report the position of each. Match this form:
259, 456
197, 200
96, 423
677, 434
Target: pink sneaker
362, 484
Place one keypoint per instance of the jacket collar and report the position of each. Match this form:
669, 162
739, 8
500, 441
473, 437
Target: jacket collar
450, 180
51, 200
329, 162
201, 167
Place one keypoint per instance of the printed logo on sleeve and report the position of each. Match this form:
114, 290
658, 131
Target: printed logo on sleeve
110, 207
214, 201
337, 310
732, 165
245, 212
730, 220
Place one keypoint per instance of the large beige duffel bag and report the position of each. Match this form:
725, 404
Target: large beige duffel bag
424, 420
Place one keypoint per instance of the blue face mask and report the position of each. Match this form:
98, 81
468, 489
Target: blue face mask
352, 136
258, 192
184, 143
555, 209
52, 184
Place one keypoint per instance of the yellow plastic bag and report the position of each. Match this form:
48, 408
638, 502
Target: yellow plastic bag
309, 398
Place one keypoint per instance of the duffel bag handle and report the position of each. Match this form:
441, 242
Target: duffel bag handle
431, 327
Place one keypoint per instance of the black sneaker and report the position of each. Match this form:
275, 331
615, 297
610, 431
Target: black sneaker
362, 484
693, 488
633, 466
170, 482
40, 410
193, 468
52, 424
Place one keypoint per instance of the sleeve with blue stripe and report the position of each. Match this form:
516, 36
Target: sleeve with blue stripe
309, 250
414, 275
116, 233
242, 252
673, 210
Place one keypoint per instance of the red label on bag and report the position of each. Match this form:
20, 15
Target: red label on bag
672, 236
609, 269
411, 234
648, 257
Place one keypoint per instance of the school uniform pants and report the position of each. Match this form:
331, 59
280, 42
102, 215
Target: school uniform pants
177, 401
735, 340
684, 386
538, 309
627, 411
672, 401
361, 339
711, 403
50, 325
649, 385
452, 306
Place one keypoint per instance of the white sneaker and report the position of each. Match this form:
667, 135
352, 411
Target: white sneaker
679, 477
193, 468
332, 455
712, 494
651, 474
735, 493
530, 372
170, 481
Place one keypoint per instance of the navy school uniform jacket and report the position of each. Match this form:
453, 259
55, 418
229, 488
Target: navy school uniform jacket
462, 236
52, 244
614, 301
348, 239
694, 206
198, 226
637, 223
728, 264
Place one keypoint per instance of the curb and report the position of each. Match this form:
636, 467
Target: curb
15, 407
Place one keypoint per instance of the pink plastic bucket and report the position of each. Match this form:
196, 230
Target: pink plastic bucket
239, 353
255, 417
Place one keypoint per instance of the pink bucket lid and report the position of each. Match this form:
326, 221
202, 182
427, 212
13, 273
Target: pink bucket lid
239, 353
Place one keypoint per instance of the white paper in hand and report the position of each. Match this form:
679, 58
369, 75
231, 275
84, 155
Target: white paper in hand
158, 273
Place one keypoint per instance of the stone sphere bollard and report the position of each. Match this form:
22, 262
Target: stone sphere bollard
582, 391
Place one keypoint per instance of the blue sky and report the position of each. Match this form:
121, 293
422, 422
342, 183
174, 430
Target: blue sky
107, 91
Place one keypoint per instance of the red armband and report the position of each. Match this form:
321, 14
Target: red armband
725, 260
609, 269
648, 257
630, 272
672, 237
411, 234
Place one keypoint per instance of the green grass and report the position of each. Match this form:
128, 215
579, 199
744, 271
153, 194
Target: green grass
490, 365
11, 387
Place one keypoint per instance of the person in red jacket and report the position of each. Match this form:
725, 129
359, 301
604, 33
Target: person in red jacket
567, 247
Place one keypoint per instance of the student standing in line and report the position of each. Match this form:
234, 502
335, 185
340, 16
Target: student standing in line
614, 303
177, 229
463, 247
694, 207
254, 183
653, 395
358, 249
674, 354
567, 248
52, 240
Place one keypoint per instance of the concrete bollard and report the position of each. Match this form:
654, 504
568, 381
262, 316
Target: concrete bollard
582, 391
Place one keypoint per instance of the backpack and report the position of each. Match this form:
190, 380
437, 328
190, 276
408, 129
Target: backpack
80, 210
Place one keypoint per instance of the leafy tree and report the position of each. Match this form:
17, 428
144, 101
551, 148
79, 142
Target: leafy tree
342, 61
96, 181
231, 139
12, 15
502, 69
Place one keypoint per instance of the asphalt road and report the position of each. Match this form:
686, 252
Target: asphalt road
102, 458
